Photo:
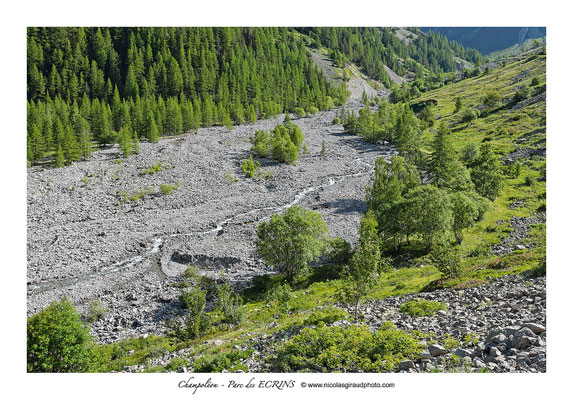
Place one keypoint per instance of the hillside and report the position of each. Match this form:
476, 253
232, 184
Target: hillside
489, 39
160, 251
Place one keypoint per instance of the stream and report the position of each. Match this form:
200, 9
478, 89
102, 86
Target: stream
154, 248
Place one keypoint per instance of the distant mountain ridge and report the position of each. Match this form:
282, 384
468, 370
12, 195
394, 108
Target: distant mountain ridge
489, 39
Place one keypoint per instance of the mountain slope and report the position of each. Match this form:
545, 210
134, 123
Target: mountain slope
489, 39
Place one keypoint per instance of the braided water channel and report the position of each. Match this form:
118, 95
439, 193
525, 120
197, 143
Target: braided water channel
153, 250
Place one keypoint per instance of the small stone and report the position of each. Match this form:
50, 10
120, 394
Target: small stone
425, 355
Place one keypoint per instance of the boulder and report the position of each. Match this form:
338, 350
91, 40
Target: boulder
436, 350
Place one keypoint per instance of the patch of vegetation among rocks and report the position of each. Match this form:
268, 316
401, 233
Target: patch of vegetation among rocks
346, 349
422, 308
153, 169
167, 189
230, 361
135, 196
326, 316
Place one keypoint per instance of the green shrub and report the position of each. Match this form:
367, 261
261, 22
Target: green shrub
57, 341
176, 363
346, 349
153, 169
124, 196
470, 339
96, 311
299, 112
312, 110
512, 170
535, 81
249, 167
340, 251
529, 180
166, 189
197, 322
491, 98
230, 305
450, 343
230, 361
336, 121
326, 315
522, 93
502, 131
261, 143
470, 153
470, 115
422, 308
497, 264
282, 298
447, 260
283, 147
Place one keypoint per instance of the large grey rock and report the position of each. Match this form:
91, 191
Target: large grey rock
437, 350
406, 364
535, 328
523, 338
462, 353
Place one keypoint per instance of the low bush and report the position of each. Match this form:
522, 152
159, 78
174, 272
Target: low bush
326, 315
125, 197
167, 189
96, 311
250, 167
153, 169
197, 323
447, 260
229, 304
469, 115
522, 93
282, 298
230, 361
422, 308
299, 112
261, 143
346, 349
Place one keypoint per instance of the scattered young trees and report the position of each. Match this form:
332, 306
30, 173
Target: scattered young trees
284, 142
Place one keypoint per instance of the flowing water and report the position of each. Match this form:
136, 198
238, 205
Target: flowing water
154, 247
